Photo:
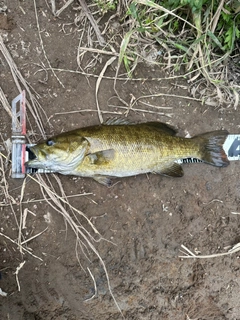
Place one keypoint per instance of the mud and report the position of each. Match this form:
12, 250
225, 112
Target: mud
145, 219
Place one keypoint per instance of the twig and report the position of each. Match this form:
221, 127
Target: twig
190, 254
85, 110
21, 215
57, 13
216, 16
185, 75
108, 63
2, 293
169, 115
95, 286
5, 103
99, 51
53, 4
17, 271
42, 199
33, 237
24, 249
89, 15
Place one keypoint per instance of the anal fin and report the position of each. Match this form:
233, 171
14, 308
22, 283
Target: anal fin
171, 170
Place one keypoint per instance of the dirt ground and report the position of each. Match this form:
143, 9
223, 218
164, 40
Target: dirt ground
145, 219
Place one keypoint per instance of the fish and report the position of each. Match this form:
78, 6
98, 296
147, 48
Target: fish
119, 148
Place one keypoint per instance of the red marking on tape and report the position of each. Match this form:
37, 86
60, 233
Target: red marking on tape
23, 159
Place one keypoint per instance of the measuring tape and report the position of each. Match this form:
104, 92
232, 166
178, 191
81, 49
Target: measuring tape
18, 135
21, 152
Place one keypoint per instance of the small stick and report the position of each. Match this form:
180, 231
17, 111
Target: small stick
5, 103
25, 212
234, 249
92, 21
2, 293
53, 4
57, 13
33, 237
108, 63
95, 286
17, 271
19, 245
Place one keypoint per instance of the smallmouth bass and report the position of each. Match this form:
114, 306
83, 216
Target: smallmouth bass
120, 149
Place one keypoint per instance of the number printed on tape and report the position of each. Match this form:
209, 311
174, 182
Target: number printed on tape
232, 147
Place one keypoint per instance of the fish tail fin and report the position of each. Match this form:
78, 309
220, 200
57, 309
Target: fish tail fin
211, 147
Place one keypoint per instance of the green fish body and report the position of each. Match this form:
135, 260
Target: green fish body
116, 149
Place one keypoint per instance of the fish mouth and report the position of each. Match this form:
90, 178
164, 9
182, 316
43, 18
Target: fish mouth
31, 154
33, 161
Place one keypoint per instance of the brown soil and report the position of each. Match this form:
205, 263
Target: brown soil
147, 217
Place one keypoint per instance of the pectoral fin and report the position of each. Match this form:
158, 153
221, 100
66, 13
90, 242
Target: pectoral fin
106, 181
172, 170
101, 157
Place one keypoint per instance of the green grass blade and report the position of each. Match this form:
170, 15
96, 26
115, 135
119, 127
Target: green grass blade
181, 47
124, 45
154, 5
215, 39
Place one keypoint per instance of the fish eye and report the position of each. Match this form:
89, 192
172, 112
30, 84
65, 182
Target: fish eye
50, 142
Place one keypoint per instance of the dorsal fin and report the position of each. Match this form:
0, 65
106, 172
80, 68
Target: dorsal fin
117, 121
160, 126
163, 127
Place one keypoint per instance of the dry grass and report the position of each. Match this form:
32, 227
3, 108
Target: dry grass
86, 239
207, 72
74, 218
33, 105
189, 254
42, 45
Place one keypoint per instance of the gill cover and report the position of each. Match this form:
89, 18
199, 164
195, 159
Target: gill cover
60, 153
